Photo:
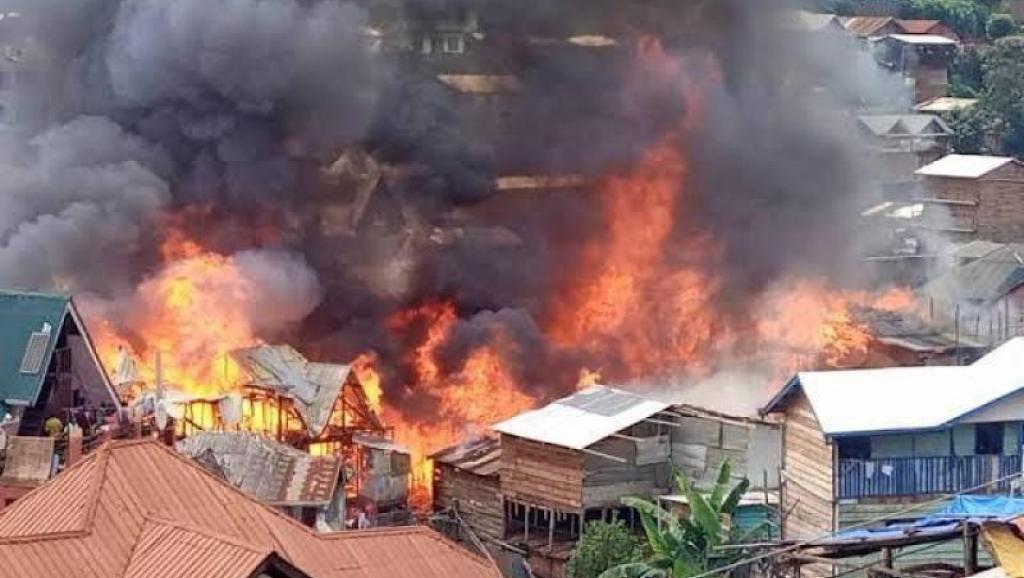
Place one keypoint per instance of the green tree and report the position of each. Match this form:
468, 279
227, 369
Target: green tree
1002, 100
602, 546
966, 79
1000, 26
682, 547
968, 132
967, 17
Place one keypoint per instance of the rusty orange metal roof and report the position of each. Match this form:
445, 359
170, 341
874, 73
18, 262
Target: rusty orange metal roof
869, 25
137, 508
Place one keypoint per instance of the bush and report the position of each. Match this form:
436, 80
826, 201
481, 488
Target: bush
999, 26
603, 545
967, 17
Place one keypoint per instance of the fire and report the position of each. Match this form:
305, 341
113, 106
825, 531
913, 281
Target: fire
193, 312
365, 367
476, 394
588, 378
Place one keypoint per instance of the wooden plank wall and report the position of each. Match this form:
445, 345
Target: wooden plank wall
476, 498
606, 482
541, 474
807, 472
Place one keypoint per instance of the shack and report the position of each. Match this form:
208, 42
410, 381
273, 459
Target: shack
467, 490
969, 197
859, 444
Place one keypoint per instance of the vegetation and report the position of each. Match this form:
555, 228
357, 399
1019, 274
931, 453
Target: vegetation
1000, 26
603, 546
966, 17
682, 547
968, 132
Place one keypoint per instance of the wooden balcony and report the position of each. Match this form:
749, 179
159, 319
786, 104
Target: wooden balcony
922, 476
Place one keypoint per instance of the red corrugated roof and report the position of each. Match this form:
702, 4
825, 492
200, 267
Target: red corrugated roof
139, 509
918, 26
868, 25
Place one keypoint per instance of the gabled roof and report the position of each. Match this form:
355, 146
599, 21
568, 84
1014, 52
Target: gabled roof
271, 472
314, 386
582, 419
906, 398
918, 26
34, 321
139, 509
868, 25
904, 125
963, 166
941, 104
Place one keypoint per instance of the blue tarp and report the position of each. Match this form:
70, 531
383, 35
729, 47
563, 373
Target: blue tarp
974, 509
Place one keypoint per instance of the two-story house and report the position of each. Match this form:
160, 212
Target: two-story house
863, 443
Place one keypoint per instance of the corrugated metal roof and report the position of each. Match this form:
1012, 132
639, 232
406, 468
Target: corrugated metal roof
868, 25
92, 519
907, 398
314, 386
480, 456
923, 39
963, 166
480, 83
993, 271
903, 125
21, 315
942, 104
583, 418
271, 472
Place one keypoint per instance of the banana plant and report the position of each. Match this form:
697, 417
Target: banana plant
682, 547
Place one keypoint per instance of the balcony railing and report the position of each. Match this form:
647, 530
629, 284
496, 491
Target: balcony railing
922, 476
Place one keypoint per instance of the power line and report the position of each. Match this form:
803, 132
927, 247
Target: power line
801, 544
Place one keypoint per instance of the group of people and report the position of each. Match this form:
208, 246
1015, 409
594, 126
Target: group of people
87, 419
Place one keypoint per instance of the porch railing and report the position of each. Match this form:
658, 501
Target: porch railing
925, 475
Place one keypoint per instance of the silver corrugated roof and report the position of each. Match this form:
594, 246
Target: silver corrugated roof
313, 386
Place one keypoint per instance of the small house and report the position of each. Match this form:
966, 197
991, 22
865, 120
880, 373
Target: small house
899, 144
970, 197
922, 59
48, 365
467, 489
863, 443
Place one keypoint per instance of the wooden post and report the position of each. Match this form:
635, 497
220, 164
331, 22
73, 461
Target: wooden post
526, 529
970, 550
887, 558
551, 529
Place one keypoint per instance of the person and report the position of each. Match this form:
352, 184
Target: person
53, 426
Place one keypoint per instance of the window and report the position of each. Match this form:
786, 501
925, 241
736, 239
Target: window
453, 44
854, 448
988, 439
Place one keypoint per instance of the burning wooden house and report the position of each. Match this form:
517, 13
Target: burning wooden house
467, 490
318, 408
305, 487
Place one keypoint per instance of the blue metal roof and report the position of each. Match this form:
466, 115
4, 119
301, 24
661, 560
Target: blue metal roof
21, 315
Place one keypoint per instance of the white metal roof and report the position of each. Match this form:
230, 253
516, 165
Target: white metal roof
582, 419
963, 166
910, 398
931, 39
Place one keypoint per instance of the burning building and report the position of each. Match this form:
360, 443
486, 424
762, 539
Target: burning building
213, 177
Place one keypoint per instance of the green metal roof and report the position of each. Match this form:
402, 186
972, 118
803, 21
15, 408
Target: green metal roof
21, 315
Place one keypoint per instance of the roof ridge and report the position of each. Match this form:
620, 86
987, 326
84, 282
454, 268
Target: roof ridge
96, 486
44, 537
206, 473
152, 519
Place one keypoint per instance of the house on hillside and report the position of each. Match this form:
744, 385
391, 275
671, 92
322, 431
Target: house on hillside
899, 144
144, 510
981, 292
972, 197
922, 59
48, 363
878, 26
863, 443
573, 461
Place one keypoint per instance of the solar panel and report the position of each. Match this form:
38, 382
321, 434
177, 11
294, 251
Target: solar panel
603, 402
35, 351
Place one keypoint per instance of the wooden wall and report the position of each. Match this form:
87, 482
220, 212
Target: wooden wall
807, 472
476, 498
606, 482
541, 474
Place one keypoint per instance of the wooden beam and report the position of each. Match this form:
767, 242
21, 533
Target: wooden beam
605, 456
663, 422
625, 437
